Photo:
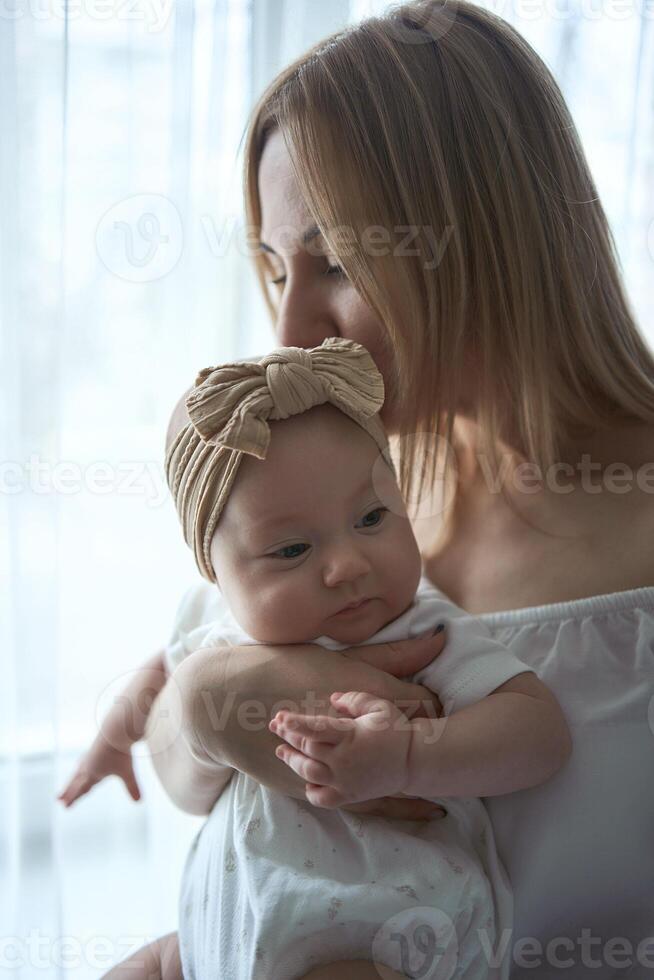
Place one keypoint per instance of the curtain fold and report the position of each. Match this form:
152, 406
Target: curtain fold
123, 270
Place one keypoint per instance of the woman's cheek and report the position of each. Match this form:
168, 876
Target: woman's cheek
406, 566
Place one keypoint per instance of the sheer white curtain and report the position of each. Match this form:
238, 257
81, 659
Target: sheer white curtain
122, 271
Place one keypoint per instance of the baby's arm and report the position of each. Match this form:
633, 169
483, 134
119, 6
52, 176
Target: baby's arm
513, 738
124, 724
160, 960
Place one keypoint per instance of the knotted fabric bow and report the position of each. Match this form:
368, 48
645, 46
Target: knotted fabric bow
230, 408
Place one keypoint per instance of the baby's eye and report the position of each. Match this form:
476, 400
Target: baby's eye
377, 510
283, 552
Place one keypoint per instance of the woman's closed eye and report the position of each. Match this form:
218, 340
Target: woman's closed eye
330, 270
336, 270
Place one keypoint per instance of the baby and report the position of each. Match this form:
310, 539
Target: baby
288, 498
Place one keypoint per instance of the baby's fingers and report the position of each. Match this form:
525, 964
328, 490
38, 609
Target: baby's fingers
78, 786
326, 728
132, 786
310, 770
325, 796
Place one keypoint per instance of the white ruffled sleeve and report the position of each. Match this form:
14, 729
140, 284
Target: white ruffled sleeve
472, 664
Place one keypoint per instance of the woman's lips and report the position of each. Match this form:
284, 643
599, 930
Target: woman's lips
353, 609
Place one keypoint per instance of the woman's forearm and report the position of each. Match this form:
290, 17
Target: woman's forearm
212, 716
232, 695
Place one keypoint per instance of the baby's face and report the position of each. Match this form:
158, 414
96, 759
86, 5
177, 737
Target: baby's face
317, 525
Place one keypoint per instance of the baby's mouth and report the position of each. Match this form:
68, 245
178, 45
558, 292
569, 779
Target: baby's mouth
353, 608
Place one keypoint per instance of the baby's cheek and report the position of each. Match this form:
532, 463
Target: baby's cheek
277, 614
261, 616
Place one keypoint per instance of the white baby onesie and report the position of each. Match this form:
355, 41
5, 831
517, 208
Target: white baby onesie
273, 886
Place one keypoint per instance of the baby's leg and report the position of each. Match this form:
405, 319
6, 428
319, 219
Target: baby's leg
353, 970
159, 960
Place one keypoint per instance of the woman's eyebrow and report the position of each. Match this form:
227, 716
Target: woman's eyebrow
307, 237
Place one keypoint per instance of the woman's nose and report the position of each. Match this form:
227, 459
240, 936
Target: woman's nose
345, 565
301, 322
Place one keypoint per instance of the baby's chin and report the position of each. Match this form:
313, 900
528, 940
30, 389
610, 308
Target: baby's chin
350, 635
350, 630
355, 632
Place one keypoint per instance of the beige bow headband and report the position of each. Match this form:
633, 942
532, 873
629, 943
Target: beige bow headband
230, 408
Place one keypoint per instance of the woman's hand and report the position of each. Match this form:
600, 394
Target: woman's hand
230, 695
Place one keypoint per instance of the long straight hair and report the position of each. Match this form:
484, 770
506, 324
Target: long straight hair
438, 123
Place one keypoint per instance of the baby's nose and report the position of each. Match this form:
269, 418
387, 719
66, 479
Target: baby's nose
348, 565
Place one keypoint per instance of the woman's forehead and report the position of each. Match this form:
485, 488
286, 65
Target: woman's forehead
282, 204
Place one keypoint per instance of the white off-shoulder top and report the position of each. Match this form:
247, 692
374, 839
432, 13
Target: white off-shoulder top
579, 849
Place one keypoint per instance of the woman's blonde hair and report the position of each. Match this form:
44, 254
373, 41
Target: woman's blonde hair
438, 121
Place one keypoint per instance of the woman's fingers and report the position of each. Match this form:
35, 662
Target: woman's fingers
401, 657
398, 808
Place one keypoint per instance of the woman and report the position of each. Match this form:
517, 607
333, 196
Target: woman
418, 186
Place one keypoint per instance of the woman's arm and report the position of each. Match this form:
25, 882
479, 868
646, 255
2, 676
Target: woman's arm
212, 716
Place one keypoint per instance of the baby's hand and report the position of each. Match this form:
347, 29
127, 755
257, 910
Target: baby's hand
100, 761
347, 759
